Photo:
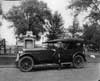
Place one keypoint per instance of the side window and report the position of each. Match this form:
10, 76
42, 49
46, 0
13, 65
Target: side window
74, 45
66, 45
71, 46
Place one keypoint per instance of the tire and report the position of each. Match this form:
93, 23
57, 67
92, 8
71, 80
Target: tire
26, 64
78, 61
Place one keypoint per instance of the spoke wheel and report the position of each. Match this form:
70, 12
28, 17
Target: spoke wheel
78, 61
26, 64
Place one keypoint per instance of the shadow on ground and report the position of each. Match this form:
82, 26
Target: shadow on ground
52, 67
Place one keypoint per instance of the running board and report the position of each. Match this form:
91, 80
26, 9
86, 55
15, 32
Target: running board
66, 63
53, 64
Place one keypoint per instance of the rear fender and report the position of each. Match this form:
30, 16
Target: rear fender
79, 53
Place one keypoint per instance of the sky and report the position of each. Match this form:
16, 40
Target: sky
54, 5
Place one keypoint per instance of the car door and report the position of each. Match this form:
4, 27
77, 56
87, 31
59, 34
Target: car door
65, 53
60, 52
69, 49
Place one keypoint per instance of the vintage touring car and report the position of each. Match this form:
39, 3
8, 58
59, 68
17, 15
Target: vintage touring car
69, 50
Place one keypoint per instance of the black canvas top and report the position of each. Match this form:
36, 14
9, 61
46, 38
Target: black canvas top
65, 40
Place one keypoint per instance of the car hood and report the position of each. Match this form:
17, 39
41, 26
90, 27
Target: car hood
35, 49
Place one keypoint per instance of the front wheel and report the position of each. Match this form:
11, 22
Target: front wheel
26, 64
78, 61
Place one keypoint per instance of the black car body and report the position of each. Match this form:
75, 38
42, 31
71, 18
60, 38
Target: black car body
63, 50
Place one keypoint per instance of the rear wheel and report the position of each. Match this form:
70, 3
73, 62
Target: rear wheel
78, 61
26, 63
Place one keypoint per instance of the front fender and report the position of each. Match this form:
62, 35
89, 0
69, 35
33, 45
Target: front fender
18, 56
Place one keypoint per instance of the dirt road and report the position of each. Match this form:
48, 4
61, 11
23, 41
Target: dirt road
90, 73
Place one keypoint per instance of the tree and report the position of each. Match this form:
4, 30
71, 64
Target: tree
0, 13
91, 6
91, 30
56, 29
30, 15
0, 9
92, 33
74, 29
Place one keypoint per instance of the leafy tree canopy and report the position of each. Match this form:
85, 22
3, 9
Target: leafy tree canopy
29, 15
56, 30
88, 5
91, 29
